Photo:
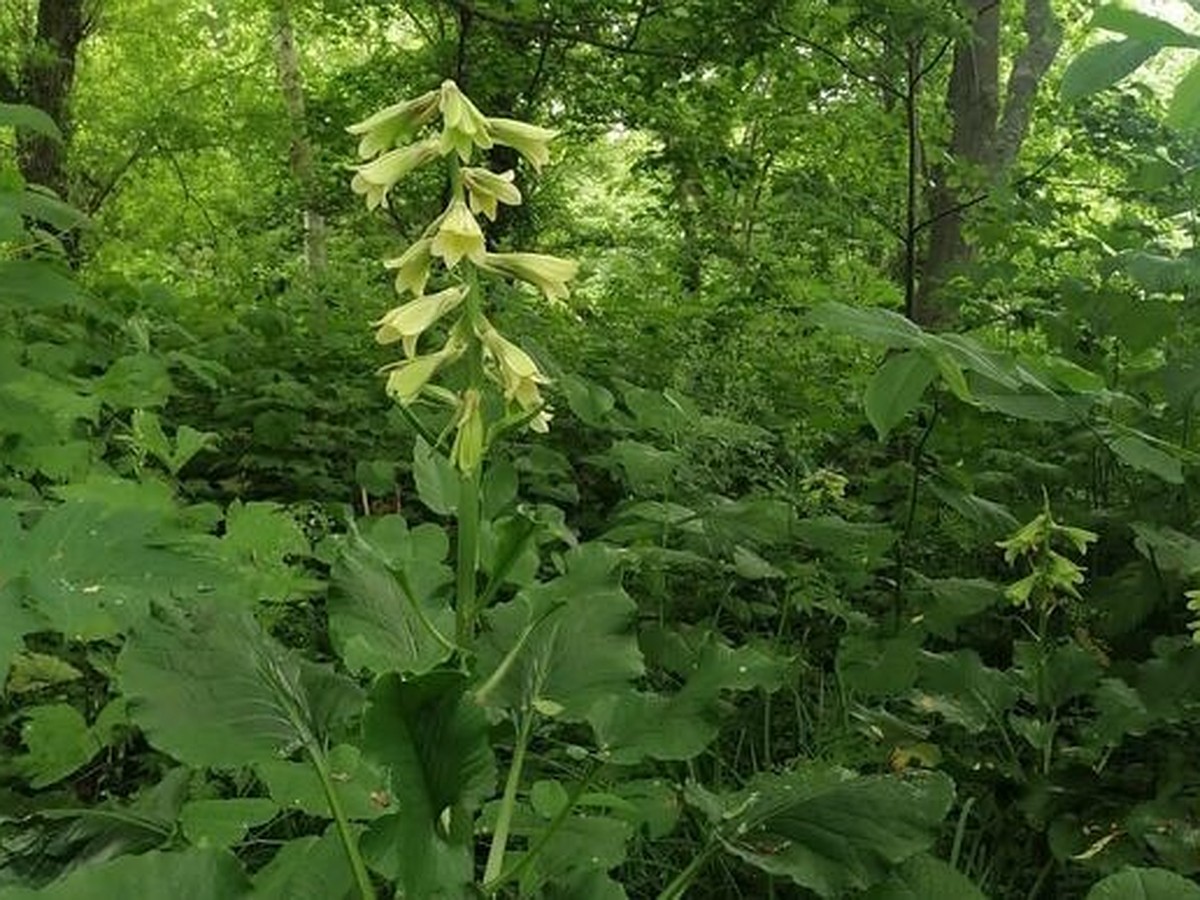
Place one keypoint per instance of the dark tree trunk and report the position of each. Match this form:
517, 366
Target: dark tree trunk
47, 73
985, 137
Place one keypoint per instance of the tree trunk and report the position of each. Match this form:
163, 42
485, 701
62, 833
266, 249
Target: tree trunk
985, 138
301, 157
47, 73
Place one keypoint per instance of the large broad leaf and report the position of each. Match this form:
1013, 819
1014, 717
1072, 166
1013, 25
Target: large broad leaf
360, 785
58, 741
633, 725
961, 689
223, 823
389, 610
564, 645
213, 689
308, 868
1103, 65
28, 118
1184, 111
191, 875
434, 740
1124, 19
925, 878
879, 326
1134, 451
828, 829
896, 389
1144, 884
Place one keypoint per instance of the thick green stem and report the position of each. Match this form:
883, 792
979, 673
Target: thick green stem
361, 877
468, 557
508, 804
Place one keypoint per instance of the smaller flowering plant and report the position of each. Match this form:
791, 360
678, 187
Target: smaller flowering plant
453, 249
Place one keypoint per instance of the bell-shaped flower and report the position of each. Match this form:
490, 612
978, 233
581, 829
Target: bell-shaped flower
463, 125
514, 369
531, 141
408, 322
412, 267
467, 450
376, 178
458, 235
486, 188
389, 126
549, 274
408, 377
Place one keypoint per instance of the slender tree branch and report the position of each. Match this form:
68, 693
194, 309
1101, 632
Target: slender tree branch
852, 70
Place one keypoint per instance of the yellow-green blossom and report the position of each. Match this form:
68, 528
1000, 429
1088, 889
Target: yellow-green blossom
408, 322
549, 274
412, 267
388, 126
467, 451
486, 188
458, 235
376, 178
463, 125
408, 377
531, 141
517, 374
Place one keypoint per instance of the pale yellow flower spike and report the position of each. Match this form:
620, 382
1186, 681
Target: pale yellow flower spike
386, 127
458, 235
408, 322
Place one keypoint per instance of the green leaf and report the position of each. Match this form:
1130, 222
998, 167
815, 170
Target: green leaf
138, 381
33, 284
879, 326
1139, 454
213, 689
59, 743
223, 823
28, 118
1144, 884
361, 786
896, 389
962, 690
579, 846
1124, 19
924, 877
828, 829
261, 542
568, 642
433, 739
879, 666
438, 482
389, 610
1103, 65
33, 671
1184, 111
308, 868
192, 874
589, 401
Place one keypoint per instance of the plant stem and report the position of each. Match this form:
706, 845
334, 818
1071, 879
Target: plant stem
361, 877
508, 804
468, 557
681, 882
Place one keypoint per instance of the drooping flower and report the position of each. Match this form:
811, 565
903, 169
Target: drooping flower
463, 125
531, 141
467, 450
408, 322
458, 235
388, 126
486, 188
517, 374
408, 377
412, 267
549, 274
376, 178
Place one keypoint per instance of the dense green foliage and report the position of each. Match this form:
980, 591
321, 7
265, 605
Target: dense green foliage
827, 531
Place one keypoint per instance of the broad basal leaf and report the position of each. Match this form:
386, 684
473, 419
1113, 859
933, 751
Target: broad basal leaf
925, 877
58, 741
437, 479
389, 610
563, 645
190, 875
433, 739
212, 689
223, 823
1144, 884
828, 829
1103, 65
308, 868
1140, 454
361, 786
